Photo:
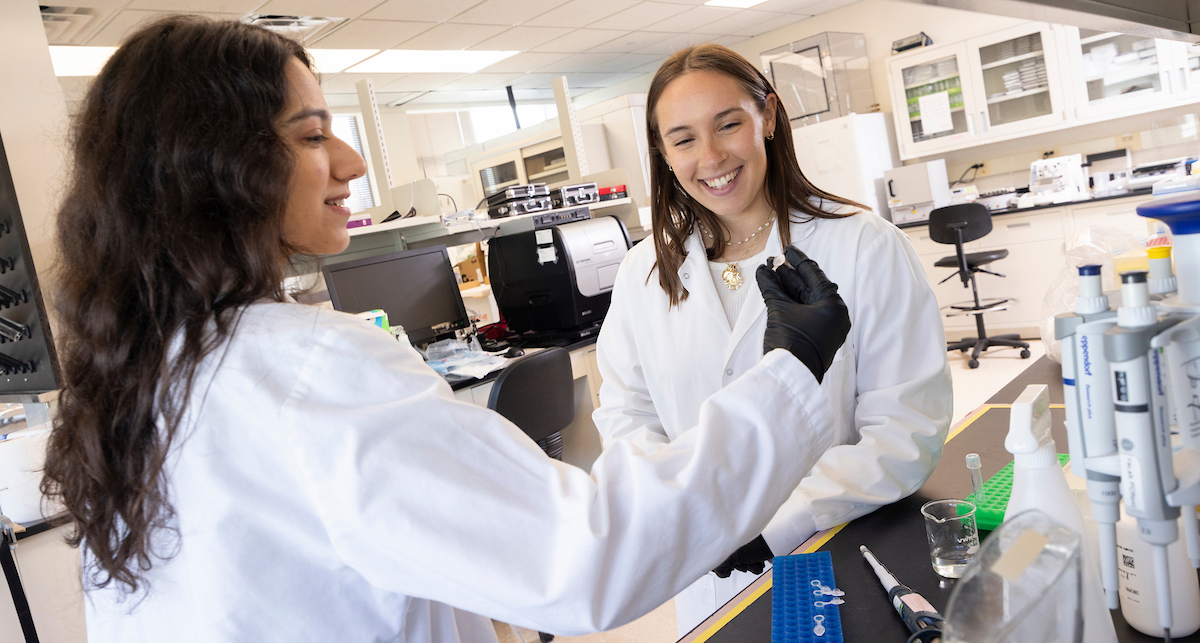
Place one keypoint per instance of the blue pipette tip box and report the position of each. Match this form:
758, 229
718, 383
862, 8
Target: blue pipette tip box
793, 602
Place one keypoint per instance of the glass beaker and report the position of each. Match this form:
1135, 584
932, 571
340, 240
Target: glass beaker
953, 536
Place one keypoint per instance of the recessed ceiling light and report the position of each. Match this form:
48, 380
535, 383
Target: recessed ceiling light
79, 61
417, 61
331, 61
737, 4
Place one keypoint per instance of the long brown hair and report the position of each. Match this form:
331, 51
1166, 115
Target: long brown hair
171, 224
674, 213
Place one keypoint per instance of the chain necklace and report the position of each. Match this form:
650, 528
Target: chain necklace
732, 275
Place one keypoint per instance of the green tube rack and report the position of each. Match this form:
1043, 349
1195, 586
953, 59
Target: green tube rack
990, 513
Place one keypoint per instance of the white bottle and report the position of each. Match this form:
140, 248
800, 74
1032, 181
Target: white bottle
1039, 483
1139, 595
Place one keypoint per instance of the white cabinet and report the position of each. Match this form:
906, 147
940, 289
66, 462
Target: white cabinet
1115, 74
1120, 214
1030, 79
933, 100
1017, 80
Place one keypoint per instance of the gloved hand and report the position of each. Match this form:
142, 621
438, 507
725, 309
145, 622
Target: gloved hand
751, 557
805, 314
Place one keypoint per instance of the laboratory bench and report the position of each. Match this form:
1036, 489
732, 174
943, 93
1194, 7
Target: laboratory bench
1046, 206
896, 535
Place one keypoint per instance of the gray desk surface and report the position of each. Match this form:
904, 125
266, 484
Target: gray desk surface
896, 535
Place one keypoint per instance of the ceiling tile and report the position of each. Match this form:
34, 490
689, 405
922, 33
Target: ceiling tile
644, 13
345, 83
579, 40
687, 2
728, 41
649, 67
787, 6
519, 39
324, 8
668, 46
748, 22
372, 34
451, 36
508, 12
821, 6
394, 98
240, 7
631, 42
421, 10
126, 21
580, 62
481, 81
577, 13
529, 81
420, 82
692, 19
523, 62
617, 79
585, 80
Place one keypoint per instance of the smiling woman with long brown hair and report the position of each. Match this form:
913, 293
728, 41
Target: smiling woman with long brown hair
239, 466
686, 320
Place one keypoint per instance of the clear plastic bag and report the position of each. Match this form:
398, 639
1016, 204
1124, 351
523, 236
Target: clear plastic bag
464, 358
1089, 246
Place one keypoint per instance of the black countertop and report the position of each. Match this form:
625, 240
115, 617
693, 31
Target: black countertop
996, 213
896, 533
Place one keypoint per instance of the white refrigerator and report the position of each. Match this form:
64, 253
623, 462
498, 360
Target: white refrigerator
847, 156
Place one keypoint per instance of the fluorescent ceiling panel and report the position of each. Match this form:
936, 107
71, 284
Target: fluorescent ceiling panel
418, 61
737, 4
331, 61
79, 61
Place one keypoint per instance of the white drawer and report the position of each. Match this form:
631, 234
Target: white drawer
1120, 214
1009, 229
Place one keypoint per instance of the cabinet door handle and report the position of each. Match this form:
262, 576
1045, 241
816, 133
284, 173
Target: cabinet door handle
970, 125
983, 121
891, 192
1027, 224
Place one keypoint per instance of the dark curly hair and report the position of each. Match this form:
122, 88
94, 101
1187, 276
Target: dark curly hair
673, 212
171, 224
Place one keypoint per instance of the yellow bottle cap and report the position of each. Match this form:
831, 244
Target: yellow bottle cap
1159, 252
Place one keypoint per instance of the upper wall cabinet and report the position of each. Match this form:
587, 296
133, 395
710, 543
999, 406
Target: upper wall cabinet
1015, 69
1115, 74
1030, 79
933, 101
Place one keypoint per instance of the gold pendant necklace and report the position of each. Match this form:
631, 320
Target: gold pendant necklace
732, 274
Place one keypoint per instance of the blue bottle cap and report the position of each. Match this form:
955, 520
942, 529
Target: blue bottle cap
1089, 270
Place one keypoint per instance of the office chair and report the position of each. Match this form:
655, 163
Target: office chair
959, 224
536, 392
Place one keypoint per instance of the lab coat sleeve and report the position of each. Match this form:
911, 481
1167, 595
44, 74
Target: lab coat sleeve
626, 410
437, 499
904, 399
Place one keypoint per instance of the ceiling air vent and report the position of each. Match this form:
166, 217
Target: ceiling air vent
71, 25
300, 28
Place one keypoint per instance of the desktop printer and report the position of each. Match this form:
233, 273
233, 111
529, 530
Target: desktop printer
557, 279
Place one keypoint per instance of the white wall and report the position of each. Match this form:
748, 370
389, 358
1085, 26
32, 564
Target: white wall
33, 125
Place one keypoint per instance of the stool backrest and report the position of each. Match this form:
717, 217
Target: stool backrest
972, 219
536, 392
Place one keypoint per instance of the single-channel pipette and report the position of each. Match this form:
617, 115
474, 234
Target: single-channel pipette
921, 618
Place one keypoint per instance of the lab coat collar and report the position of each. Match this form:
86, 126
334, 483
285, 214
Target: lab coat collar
696, 277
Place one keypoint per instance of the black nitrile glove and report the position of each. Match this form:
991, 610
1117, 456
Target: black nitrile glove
751, 557
805, 314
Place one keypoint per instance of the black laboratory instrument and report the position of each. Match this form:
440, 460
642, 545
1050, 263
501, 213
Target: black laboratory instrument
922, 619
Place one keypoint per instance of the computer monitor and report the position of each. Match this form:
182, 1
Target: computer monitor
416, 288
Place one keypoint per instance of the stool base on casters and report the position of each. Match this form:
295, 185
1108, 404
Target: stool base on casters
979, 344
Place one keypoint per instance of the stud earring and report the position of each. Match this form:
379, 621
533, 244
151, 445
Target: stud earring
670, 169
771, 136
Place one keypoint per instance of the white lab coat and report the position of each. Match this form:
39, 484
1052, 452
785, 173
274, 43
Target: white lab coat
888, 389
327, 487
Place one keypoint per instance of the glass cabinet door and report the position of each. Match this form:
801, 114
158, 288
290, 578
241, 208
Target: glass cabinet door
1118, 71
497, 177
934, 93
1016, 83
1191, 67
547, 167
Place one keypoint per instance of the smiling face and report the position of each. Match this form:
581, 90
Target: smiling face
713, 137
315, 216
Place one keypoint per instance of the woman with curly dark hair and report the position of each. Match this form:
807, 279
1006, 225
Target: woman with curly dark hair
239, 466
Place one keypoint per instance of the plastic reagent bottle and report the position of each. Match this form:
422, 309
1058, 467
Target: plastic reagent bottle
1039, 483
